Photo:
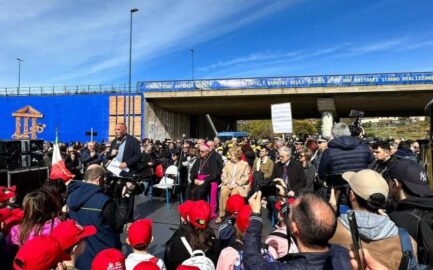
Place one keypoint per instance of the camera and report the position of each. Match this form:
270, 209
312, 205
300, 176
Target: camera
356, 129
335, 180
113, 186
268, 188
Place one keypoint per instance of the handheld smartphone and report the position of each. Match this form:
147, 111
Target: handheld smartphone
356, 239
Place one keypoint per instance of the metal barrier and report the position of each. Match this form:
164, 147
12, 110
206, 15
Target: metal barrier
66, 90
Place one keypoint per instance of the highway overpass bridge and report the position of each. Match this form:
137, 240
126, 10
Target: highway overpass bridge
173, 108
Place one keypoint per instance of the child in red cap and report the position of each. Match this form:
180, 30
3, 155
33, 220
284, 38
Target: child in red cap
197, 234
226, 230
184, 209
40, 253
139, 238
109, 259
230, 256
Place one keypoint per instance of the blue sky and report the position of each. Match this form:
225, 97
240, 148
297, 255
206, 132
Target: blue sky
66, 42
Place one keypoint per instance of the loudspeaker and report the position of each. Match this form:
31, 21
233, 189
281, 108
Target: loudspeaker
26, 161
10, 162
37, 152
25, 146
36, 145
10, 148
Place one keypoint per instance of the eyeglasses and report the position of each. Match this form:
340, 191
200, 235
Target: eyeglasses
185, 147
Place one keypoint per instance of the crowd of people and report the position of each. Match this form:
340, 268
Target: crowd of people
310, 188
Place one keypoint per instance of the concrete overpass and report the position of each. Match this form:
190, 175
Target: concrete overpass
173, 108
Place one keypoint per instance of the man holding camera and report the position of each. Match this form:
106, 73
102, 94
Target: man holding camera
88, 205
291, 172
312, 222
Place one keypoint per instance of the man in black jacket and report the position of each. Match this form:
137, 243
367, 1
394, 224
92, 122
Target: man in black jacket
124, 148
408, 186
291, 172
344, 153
312, 223
88, 205
382, 158
89, 155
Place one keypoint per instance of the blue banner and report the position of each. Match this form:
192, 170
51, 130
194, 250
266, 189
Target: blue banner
290, 82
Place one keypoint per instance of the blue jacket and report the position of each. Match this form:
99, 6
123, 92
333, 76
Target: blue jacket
86, 203
336, 258
343, 154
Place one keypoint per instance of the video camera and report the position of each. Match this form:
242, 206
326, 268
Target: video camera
268, 188
356, 129
113, 185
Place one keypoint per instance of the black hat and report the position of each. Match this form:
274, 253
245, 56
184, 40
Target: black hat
412, 175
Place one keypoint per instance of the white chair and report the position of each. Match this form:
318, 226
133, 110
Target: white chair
169, 183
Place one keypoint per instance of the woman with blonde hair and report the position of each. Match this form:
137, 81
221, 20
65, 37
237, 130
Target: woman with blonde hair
234, 180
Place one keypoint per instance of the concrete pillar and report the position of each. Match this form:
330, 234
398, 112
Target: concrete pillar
327, 123
326, 106
160, 124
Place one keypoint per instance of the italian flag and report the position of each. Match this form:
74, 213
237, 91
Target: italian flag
58, 168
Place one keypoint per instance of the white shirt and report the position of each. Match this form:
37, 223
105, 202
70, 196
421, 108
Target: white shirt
136, 258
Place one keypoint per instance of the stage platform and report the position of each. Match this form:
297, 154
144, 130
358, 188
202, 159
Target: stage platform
165, 221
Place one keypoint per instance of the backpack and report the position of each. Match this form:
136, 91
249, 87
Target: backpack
198, 258
424, 235
408, 260
239, 265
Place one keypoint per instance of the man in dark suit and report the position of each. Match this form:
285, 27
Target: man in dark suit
291, 173
124, 148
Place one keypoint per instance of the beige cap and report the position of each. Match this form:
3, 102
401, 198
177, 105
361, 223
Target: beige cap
366, 183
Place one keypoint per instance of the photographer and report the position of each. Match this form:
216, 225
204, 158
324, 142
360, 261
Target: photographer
312, 223
88, 205
293, 175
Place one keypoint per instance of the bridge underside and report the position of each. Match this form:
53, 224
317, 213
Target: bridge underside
227, 106
303, 106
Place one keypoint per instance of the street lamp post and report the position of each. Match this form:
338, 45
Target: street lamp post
19, 75
192, 64
130, 60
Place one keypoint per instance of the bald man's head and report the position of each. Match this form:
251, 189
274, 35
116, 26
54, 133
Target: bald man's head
315, 219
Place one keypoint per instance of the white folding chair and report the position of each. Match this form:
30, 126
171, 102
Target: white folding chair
169, 183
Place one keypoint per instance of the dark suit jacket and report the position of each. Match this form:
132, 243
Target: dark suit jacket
296, 175
132, 153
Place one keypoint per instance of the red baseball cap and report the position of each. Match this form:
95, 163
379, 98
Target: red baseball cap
234, 203
39, 253
140, 233
5, 213
69, 233
16, 216
109, 259
7, 192
199, 215
186, 267
146, 266
243, 218
184, 208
